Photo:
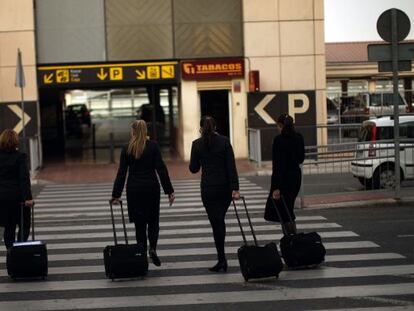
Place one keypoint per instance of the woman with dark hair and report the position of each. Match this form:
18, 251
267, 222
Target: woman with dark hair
14, 189
287, 154
142, 160
213, 154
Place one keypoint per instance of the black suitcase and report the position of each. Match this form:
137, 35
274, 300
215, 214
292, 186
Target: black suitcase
301, 250
257, 261
26, 260
124, 260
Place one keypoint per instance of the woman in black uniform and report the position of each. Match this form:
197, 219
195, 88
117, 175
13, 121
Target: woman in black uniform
287, 155
14, 189
219, 181
142, 159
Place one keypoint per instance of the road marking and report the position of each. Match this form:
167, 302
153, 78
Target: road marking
201, 251
279, 294
178, 241
191, 232
405, 235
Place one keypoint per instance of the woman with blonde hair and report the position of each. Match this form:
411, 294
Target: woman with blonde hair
142, 160
14, 188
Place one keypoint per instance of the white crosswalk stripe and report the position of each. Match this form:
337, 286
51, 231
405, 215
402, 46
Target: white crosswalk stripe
74, 222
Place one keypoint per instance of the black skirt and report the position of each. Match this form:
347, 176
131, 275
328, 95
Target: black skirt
289, 190
143, 203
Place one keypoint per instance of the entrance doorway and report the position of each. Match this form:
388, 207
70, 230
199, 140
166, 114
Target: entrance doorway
216, 104
92, 125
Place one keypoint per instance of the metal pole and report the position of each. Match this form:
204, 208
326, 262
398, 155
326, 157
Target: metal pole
111, 148
395, 101
94, 141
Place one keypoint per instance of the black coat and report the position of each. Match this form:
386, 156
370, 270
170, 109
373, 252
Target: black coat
288, 152
143, 189
218, 163
14, 184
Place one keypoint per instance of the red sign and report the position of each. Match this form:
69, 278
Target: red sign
212, 69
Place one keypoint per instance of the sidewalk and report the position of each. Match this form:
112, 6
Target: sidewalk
75, 172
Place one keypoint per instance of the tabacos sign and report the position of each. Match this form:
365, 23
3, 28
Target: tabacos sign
212, 69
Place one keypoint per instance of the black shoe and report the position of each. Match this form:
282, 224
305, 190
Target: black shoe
221, 265
154, 257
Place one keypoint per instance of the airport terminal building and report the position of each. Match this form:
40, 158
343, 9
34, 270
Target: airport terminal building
92, 67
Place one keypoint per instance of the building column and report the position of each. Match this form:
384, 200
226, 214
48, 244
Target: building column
372, 86
408, 93
344, 88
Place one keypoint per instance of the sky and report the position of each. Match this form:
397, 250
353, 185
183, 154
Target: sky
356, 20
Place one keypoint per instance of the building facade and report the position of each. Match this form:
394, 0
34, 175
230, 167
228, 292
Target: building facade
166, 61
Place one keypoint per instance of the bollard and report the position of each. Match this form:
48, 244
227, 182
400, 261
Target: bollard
94, 141
111, 148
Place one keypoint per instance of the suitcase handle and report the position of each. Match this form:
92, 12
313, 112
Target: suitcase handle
22, 206
113, 222
278, 213
249, 220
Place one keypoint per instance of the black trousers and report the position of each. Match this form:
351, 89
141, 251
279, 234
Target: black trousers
150, 224
216, 203
12, 220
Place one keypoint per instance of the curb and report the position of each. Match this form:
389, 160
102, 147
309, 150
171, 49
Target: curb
389, 202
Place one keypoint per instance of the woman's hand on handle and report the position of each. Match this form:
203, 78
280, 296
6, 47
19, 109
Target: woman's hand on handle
235, 194
115, 200
171, 198
29, 203
276, 194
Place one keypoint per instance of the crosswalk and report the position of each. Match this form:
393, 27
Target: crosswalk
74, 221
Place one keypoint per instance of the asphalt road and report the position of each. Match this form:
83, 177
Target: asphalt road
369, 262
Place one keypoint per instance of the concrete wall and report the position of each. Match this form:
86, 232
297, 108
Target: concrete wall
17, 31
290, 50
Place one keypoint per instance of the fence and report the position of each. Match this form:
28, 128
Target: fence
352, 165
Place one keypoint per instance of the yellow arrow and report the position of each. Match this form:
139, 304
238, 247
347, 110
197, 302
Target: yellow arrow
140, 74
48, 79
18, 112
102, 74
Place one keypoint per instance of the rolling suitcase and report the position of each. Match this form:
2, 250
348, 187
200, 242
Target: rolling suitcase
257, 261
124, 260
301, 250
27, 260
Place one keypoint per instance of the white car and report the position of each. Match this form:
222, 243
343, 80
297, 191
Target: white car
374, 163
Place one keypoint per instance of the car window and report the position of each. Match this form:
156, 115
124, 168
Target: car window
385, 99
365, 132
384, 133
410, 130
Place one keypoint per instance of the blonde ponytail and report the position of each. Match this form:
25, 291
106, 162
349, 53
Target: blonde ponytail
138, 138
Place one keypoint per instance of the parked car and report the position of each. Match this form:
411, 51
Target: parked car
374, 163
356, 109
82, 113
332, 112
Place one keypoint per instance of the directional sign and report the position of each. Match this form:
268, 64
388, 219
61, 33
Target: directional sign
265, 108
107, 74
11, 117
403, 65
383, 52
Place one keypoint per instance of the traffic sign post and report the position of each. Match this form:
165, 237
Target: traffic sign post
393, 26
21, 83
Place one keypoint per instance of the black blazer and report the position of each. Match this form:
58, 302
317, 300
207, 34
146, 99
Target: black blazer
218, 163
288, 153
142, 171
14, 177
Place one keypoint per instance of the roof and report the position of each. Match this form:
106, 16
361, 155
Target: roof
347, 52
388, 121
350, 52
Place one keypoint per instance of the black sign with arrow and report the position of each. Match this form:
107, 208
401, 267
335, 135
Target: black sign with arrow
11, 117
